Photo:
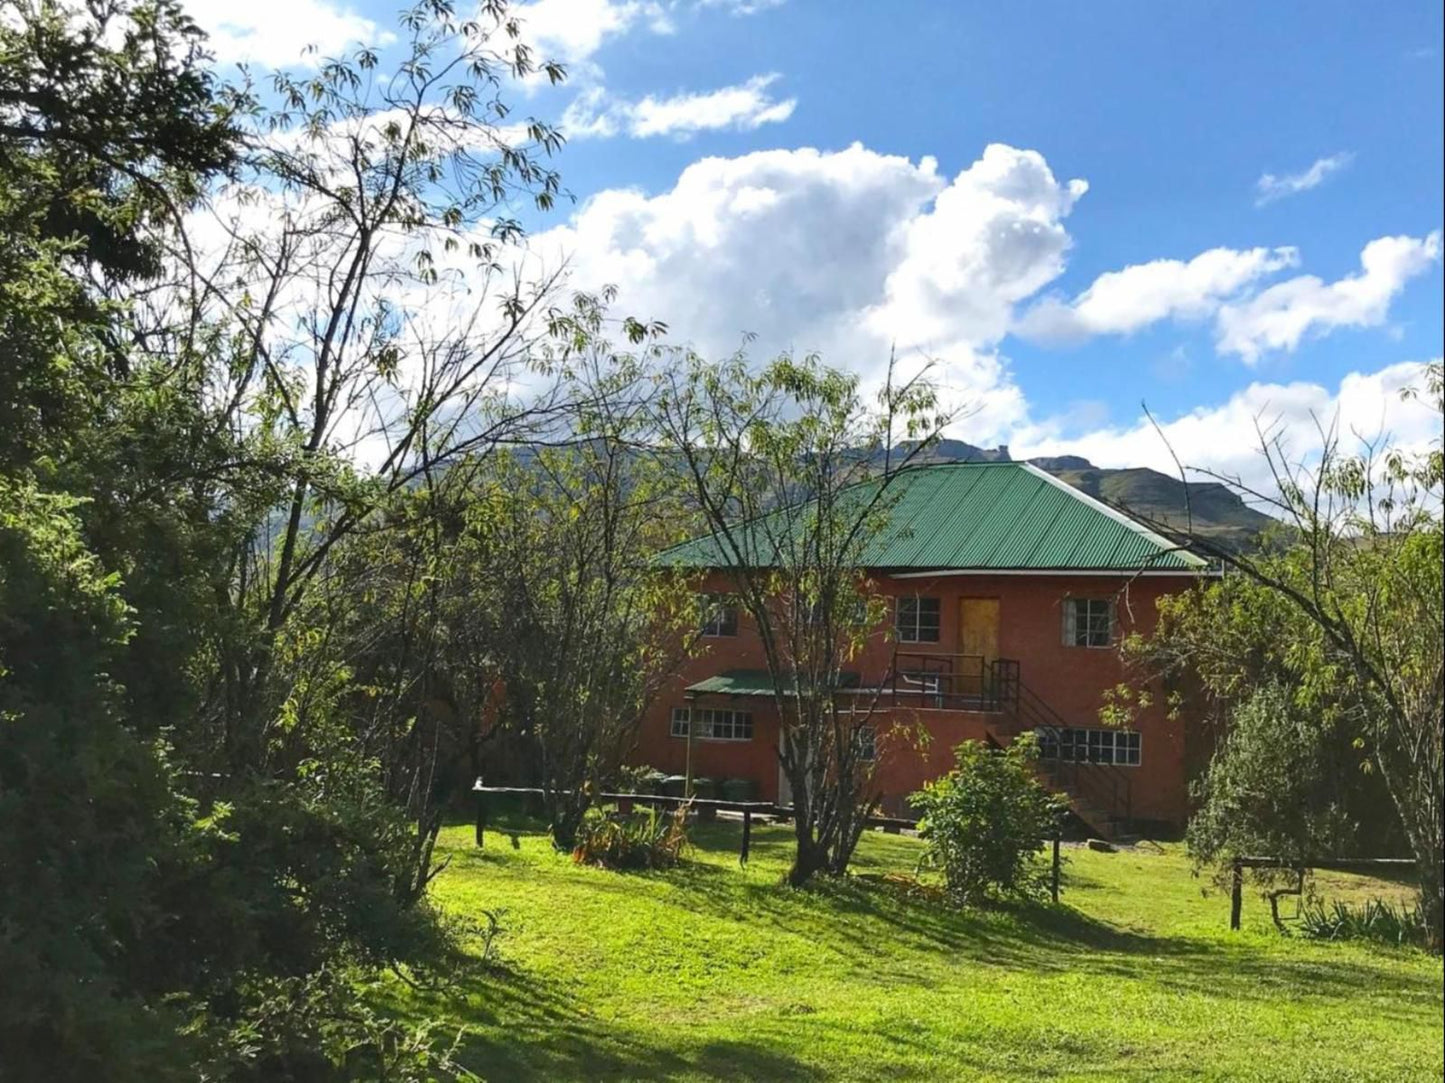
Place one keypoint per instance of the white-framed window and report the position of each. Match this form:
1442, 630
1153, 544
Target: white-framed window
917, 620
1088, 622
867, 739
1122, 748
713, 724
719, 615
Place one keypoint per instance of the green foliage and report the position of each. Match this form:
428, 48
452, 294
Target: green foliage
986, 821
93, 840
645, 839
791, 465
209, 847
639, 778
1330, 642
1373, 919
580, 630
1289, 782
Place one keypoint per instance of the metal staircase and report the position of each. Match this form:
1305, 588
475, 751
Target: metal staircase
1098, 793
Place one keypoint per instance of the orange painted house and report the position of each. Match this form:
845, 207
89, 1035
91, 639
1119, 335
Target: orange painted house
1008, 593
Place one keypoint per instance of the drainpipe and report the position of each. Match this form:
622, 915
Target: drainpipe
687, 768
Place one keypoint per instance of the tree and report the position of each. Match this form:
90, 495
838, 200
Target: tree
1344, 612
374, 329
792, 470
201, 858
585, 630
1288, 776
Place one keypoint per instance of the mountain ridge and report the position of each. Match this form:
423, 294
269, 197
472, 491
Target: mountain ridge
1214, 511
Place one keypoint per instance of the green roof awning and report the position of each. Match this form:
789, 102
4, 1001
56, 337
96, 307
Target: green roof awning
750, 682
977, 517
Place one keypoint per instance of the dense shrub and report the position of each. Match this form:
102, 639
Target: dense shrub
986, 821
648, 839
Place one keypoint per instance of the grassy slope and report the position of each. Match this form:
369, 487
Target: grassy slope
711, 972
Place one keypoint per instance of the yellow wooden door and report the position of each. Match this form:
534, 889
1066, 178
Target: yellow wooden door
978, 627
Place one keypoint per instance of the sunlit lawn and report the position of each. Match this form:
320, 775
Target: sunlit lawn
715, 972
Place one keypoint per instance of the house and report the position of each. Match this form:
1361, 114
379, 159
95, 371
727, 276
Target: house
1008, 592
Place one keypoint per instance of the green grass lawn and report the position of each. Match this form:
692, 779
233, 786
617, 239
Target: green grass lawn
714, 972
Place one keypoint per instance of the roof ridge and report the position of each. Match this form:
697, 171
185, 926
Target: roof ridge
1120, 517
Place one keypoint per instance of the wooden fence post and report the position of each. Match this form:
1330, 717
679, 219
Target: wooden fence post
1236, 898
1054, 879
481, 817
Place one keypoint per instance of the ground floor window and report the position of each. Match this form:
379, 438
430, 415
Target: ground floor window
1119, 747
867, 738
713, 724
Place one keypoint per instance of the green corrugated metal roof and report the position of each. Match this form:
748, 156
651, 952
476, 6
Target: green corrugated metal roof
750, 682
1000, 516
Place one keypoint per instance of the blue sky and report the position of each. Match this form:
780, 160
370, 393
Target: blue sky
817, 172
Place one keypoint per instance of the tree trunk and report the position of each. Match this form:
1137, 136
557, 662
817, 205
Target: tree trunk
566, 815
810, 857
1431, 877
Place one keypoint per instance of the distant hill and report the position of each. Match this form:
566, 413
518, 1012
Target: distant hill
1218, 513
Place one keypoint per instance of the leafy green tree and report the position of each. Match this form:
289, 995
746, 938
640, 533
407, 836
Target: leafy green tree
987, 820
1288, 775
1339, 629
93, 838
791, 468
202, 864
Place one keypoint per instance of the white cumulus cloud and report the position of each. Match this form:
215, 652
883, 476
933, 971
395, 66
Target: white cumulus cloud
1120, 302
1225, 438
745, 107
571, 31
1279, 317
276, 33
848, 252
1270, 187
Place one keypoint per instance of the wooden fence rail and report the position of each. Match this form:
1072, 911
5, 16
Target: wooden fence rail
1335, 864
893, 825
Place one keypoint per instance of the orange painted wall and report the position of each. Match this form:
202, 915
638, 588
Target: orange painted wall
1072, 680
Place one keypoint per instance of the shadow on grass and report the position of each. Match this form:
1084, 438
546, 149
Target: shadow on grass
532, 1029
863, 918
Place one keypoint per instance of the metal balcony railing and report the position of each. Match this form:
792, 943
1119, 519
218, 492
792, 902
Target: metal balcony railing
953, 682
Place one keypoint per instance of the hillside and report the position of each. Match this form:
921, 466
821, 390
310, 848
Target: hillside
1218, 513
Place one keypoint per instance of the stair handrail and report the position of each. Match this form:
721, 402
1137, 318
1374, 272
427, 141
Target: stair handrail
1115, 783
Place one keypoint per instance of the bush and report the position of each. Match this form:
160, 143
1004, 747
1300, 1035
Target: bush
1375, 919
738, 789
986, 821
641, 779
647, 839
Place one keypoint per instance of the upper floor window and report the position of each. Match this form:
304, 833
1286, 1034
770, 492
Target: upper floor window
719, 615
712, 724
1088, 622
917, 620
867, 742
